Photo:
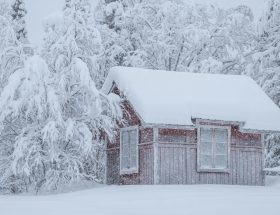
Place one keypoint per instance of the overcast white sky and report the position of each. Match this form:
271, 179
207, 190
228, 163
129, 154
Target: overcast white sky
38, 9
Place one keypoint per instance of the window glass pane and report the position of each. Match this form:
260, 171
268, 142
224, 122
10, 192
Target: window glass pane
206, 148
133, 135
221, 141
221, 135
125, 138
221, 161
133, 138
125, 150
133, 160
133, 148
125, 163
206, 135
221, 148
206, 161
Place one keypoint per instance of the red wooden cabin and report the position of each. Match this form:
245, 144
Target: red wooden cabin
184, 128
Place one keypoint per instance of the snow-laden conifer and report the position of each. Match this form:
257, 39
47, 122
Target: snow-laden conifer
175, 35
59, 118
266, 68
14, 45
18, 14
71, 47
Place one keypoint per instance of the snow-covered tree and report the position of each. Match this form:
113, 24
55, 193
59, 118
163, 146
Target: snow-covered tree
71, 47
111, 13
266, 68
18, 16
176, 35
197, 38
14, 50
229, 43
121, 34
12, 57
267, 58
30, 101
168, 33
53, 120
273, 150
71, 34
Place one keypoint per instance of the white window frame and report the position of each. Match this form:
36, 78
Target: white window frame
136, 169
199, 167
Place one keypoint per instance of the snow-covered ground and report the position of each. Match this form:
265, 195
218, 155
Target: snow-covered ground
154, 200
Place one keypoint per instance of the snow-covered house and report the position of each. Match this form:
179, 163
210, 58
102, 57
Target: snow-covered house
186, 128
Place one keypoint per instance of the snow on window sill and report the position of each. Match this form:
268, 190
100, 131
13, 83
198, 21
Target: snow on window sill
213, 170
129, 171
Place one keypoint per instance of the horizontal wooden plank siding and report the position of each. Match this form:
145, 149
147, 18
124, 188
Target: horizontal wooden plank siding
178, 165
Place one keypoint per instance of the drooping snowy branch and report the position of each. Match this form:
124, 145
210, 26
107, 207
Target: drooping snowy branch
53, 117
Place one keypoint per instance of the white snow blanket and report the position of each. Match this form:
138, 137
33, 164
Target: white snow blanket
273, 170
175, 98
152, 200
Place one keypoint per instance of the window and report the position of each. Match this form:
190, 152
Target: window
213, 148
129, 150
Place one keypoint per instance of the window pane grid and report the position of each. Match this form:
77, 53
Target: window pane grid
214, 154
129, 144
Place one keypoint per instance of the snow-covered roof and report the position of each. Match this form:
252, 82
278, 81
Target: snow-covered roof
175, 98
